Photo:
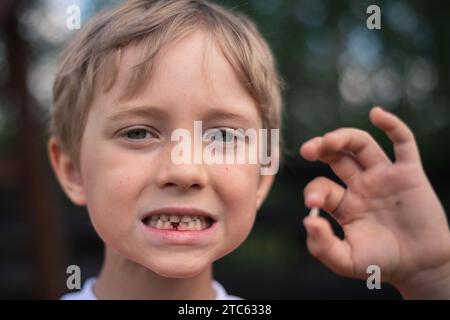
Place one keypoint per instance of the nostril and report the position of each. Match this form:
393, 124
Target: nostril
170, 184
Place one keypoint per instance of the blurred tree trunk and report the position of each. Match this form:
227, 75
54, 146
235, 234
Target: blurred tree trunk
39, 205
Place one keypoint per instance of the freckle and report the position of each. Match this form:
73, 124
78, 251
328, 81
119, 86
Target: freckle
398, 203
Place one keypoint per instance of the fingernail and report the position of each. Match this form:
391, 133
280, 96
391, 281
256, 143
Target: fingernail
312, 197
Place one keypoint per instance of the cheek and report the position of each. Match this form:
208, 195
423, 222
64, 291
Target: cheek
237, 184
237, 187
112, 184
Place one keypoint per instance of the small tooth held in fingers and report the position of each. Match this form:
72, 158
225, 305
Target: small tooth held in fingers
174, 219
314, 212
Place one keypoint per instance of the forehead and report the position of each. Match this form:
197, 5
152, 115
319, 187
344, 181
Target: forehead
190, 70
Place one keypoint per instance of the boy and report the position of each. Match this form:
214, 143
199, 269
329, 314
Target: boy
140, 71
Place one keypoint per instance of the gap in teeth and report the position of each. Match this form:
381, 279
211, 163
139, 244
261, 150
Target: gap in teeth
179, 222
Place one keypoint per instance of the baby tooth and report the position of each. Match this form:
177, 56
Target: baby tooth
153, 222
192, 225
314, 212
183, 226
185, 219
159, 224
167, 225
164, 217
154, 218
198, 225
174, 219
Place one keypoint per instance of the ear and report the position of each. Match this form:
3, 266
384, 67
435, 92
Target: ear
67, 172
264, 185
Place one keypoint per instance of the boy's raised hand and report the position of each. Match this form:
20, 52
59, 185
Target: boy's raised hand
389, 212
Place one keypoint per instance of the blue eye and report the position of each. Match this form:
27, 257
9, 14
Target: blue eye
138, 134
226, 136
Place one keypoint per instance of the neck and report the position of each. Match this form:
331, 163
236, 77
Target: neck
122, 278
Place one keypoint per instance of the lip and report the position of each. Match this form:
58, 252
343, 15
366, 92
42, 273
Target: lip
180, 237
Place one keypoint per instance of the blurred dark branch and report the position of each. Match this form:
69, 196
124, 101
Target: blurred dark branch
7, 8
35, 187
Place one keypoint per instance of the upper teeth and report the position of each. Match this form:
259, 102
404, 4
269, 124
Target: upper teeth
179, 222
165, 218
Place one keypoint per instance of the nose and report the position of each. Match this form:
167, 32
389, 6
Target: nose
181, 176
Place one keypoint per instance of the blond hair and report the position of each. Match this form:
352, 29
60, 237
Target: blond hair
92, 58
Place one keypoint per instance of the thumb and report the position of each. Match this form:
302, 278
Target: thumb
323, 244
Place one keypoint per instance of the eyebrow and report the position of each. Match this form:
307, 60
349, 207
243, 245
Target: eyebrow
213, 114
140, 111
162, 114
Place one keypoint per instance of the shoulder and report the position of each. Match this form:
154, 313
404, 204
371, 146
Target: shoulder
86, 292
221, 293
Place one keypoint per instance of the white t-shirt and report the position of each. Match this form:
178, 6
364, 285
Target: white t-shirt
87, 292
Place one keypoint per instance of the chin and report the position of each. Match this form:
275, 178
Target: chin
173, 268
179, 272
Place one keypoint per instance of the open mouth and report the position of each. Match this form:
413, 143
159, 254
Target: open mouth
183, 223
179, 220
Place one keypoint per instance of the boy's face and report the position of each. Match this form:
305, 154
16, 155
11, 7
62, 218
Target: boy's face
123, 176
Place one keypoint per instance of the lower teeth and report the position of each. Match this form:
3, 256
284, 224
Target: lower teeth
180, 226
